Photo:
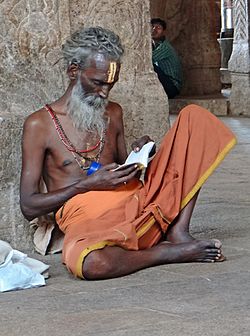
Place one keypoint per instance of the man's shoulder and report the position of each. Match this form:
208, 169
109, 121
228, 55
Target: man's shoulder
114, 105
114, 108
166, 44
38, 119
165, 51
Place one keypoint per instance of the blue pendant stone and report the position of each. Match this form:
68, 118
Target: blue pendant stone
93, 167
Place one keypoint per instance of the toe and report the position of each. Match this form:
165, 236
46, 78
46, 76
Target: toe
220, 258
207, 260
217, 243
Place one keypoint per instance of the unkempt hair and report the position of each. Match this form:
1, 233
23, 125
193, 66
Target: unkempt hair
160, 22
84, 43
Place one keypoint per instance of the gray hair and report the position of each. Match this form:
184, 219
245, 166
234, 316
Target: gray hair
84, 43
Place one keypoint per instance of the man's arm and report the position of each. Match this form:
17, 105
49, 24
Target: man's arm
118, 123
34, 145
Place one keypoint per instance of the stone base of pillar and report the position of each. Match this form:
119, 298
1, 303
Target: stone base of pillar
225, 77
239, 98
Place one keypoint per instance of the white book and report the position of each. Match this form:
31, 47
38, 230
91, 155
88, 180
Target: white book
141, 157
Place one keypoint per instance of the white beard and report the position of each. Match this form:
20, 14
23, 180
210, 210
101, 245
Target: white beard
86, 111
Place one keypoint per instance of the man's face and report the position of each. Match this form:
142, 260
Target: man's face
157, 31
89, 96
98, 79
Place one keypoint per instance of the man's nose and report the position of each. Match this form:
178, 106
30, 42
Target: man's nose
104, 91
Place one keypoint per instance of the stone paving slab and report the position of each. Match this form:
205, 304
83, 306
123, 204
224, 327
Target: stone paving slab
179, 300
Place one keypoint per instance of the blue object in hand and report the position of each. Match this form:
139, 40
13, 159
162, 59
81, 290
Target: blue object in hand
93, 167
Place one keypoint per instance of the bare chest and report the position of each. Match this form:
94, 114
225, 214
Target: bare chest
73, 155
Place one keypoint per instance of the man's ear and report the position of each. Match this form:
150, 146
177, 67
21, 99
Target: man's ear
72, 71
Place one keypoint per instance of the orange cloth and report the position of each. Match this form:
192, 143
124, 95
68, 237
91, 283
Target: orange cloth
136, 216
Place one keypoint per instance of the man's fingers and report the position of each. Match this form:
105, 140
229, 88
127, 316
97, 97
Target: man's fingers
139, 143
125, 179
126, 170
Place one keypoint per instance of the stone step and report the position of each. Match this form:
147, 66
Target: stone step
218, 105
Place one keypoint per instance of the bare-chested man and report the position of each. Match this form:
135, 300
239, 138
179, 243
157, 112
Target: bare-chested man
113, 223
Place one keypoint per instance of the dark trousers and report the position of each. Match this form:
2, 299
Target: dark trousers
167, 83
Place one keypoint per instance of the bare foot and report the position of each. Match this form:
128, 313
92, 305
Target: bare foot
193, 251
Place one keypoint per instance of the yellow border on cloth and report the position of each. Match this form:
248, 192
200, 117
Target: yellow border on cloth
86, 251
146, 227
210, 170
104, 243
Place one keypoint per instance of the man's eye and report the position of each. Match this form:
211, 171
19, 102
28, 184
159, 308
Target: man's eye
96, 82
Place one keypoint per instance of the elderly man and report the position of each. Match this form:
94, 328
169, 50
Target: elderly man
113, 223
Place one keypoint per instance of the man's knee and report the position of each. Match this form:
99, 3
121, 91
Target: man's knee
97, 265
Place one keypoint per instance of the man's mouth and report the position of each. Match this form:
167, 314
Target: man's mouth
93, 100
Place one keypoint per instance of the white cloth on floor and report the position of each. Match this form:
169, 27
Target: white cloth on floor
18, 271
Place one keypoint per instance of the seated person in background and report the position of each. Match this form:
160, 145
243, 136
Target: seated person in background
113, 223
166, 62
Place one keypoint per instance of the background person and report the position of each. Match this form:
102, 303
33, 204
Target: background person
166, 62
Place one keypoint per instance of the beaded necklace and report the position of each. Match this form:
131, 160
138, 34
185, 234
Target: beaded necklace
77, 153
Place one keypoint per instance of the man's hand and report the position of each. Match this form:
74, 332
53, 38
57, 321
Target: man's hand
138, 144
107, 179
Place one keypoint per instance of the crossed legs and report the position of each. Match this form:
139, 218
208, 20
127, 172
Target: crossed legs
111, 262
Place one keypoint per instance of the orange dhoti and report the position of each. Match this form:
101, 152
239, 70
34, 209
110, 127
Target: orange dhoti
136, 216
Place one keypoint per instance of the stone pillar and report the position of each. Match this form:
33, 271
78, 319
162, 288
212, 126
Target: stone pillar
226, 40
239, 63
31, 36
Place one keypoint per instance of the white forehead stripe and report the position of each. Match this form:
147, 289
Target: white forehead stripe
112, 72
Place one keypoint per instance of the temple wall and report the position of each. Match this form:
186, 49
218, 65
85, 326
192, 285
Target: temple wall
191, 28
32, 74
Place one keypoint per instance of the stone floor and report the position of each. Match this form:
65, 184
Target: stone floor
179, 300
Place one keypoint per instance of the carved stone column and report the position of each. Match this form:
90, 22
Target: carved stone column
31, 35
239, 63
226, 40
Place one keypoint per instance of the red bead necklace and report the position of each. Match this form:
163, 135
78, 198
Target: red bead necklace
65, 140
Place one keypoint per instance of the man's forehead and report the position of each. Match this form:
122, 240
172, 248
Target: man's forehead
99, 58
101, 63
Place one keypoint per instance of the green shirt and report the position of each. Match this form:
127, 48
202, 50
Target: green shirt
166, 58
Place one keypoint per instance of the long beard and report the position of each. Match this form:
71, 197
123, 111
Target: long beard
87, 111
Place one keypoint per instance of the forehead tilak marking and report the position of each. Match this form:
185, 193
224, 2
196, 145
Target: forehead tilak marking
112, 72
